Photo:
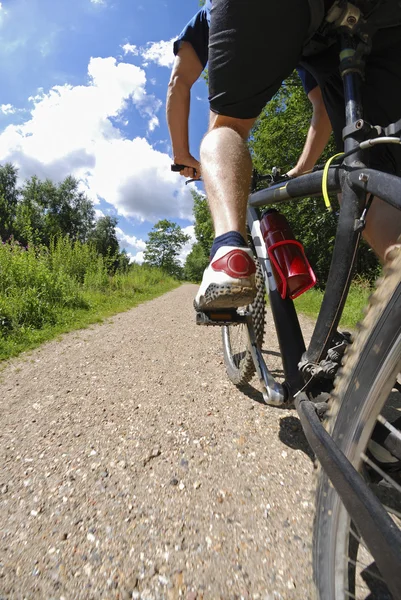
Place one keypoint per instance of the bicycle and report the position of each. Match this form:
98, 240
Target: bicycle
358, 503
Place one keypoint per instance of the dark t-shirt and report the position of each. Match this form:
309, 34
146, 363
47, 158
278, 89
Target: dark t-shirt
196, 32
308, 81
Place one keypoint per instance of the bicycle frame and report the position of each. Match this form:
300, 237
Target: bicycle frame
362, 180
356, 182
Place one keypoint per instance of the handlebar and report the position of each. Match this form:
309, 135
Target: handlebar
176, 168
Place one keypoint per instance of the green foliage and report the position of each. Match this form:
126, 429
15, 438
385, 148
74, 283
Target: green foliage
196, 263
204, 231
41, 210
44, 291
8, 199
277, 140
198, 259
104, 236
30, 290
163, 247
357, 300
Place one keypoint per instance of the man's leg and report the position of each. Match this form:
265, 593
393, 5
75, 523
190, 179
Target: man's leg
229, 281
383, 227
247, 63
228, 170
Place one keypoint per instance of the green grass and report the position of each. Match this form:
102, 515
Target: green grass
47, 292
309, 303
101, 306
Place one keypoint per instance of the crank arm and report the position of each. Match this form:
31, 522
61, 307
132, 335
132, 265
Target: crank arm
274, 393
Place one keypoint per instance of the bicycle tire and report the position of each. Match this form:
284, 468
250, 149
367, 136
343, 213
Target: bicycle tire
363, 385
239, 365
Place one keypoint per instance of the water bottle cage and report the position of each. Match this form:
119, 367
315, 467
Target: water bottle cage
281, 274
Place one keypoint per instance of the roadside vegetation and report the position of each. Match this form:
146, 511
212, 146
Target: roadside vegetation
61, 268
358, 297
48, 291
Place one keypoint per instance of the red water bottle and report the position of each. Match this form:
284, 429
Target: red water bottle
291, 269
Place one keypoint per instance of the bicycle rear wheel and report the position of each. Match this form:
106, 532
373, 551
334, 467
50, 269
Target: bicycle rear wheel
237, 355
365, 394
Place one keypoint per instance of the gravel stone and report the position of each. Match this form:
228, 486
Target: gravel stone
124, 477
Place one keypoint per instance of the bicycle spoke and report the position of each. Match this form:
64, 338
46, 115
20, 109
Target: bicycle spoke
394, 438
392, 511
366, 569
380, 472
358, 539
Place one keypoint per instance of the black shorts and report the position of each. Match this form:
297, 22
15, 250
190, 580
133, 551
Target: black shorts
255, 44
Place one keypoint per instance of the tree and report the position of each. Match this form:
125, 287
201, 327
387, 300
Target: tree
277, 140
198, 258
68, 211
196, 263
8, 199
46, 210
204, 230
163, 247
104, 236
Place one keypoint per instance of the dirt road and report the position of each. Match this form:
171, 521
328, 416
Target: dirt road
132, 468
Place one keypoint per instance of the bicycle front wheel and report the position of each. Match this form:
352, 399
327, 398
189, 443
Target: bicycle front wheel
366, 405
237, 355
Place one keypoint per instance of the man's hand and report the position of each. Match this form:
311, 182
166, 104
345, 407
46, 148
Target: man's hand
294, 172
191, 165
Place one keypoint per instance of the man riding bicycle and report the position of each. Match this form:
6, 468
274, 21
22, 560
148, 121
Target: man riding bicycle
280, 32
191, 52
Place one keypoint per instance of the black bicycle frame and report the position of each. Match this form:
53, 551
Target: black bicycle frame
356, 182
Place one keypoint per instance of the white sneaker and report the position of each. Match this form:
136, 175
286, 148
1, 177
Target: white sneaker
229, 280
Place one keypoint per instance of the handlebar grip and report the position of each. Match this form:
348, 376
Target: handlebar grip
177, 168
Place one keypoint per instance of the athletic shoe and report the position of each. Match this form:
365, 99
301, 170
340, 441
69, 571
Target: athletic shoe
229, 280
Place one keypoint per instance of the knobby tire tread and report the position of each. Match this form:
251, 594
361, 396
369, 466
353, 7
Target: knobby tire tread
345, 405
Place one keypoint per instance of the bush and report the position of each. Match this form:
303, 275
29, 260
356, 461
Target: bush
43, 287
34, 285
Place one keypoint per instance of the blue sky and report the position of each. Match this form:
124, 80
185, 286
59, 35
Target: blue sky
83, 93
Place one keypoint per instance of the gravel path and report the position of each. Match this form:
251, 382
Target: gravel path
132, 468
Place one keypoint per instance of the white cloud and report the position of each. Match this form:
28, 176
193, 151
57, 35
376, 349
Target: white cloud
160, 53
8, 109
153, 123
130, 240
130, 49
98, 1
138, 257
186, 249
70, 132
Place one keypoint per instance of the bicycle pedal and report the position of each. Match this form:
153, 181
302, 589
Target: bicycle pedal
220, 317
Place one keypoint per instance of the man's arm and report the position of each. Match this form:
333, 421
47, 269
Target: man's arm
317, 137
186, 70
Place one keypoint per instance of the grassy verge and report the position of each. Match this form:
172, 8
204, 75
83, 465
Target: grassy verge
101, 306
47, 292
309, 303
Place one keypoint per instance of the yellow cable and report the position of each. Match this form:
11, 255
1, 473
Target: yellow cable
324, 180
